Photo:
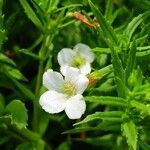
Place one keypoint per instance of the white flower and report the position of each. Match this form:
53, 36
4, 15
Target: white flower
80, 57
64, 93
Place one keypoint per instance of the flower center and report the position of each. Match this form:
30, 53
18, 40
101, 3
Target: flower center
68, 89
78, 61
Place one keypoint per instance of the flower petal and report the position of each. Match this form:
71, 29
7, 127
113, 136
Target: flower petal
65, 56
85, 69
75, 107
52, 80
79, 80
63, 69
85, 51
53, 102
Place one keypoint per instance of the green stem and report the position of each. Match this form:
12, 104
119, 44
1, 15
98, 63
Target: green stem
43, 54
37, 92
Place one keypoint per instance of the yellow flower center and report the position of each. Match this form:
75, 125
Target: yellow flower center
78, 61
68, 89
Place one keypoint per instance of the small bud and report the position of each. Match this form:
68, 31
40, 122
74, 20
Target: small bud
93, 78
84, 20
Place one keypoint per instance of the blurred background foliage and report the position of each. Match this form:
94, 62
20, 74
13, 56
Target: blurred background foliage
21, 38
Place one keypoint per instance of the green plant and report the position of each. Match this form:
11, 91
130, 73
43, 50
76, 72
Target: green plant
118, 101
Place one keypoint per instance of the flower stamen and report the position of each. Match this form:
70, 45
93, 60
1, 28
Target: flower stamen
78, 61
68, 89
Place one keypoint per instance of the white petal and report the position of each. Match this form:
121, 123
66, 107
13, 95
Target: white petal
52, 80
53, 102
75, 107
63, 69
85, 51
85, 69
65, 56
79, 80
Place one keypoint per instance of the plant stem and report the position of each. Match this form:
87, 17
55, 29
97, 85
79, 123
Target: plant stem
37, 92
43, 51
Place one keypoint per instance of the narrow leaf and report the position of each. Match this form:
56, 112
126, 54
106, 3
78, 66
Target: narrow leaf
131, 60
107, 100
7, 60
117, 64
104, 126
132, 26
31, 14
31, 54
23, 89
143, 53
143, 108
130, 131
109, 9
14, 73
114, 116
107, 29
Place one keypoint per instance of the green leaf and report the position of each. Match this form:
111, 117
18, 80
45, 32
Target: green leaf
64, 146
26, 146
140, 106
2, 36
135, 80
107, 29
117, 64
18, 112
23, 89
5, 139
104, 126
5, 59
31, 14
121, 88
109, 9
1, 108
101, 50
118, 71
130, 131
107, 100
131, 60
14, 73
114, 116
144, 146
6, 119
143, 53
1, 104
52, 6
43, 122
36, 145
143, 48
100, 141
132, 26
27, 52
69, 6
40, 13
107, 50
1, 6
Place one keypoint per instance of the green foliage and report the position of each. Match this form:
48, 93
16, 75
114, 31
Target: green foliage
135, 23
130, 131
31, 14
117, 115
107, 100
107, 29
18, 113
5, 59
1, 104
114, 116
